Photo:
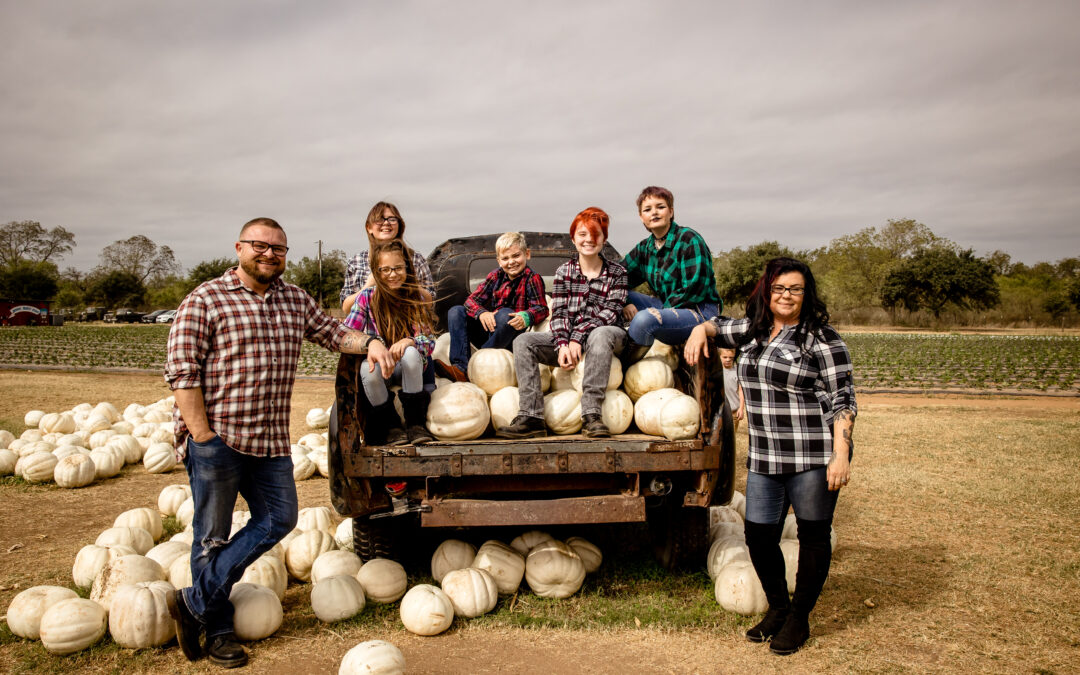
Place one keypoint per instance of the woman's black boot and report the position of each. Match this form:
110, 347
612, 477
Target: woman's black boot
815, 555
763, 542
415, 407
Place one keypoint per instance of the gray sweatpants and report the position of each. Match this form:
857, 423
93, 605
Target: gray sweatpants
531, 349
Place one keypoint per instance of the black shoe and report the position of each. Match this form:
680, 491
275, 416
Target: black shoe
593, 427
396, 436
632, 353
768, 626
418, 435
187, 626
226, 652
415, 407
523, 427
791, 636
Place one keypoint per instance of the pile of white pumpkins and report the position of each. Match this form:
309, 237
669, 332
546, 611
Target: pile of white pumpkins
87, 443
644, 395
130, 570
736, 584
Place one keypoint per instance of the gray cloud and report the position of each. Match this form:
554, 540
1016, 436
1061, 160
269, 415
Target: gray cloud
798, 122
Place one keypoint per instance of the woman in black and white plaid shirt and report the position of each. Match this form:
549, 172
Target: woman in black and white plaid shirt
795, 372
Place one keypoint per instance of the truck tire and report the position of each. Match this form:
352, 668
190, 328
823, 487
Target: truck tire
394, 538
680, 535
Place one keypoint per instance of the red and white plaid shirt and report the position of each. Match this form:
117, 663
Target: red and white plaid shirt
242, 349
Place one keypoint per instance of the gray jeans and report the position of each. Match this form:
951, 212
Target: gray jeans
531, 349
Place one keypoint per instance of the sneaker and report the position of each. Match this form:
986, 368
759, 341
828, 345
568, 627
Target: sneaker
593, 427
226, 652
523, 427
450, 372
187, 626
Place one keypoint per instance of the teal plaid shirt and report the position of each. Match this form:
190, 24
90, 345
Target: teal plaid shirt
680, 272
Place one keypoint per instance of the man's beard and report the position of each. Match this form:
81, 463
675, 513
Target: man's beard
255, 272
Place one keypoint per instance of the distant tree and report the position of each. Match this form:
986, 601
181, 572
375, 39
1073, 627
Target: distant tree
1072, 293
934, 278
140, 257
737, 270
906, 237
28, 240
168, 293
25, 280
305, 274
69, 295
117, 289
209, 269
1000, 261
1056, 305
1068, 268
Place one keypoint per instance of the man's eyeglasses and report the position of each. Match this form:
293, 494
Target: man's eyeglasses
794, 290
262, 246
391, 221
387, 271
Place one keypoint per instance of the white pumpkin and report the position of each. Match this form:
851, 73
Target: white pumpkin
17, 445
179, 573
321, 460
139, 617
60, 423
492, 369
680, 418
6, 437
71, 439
648, 407
426, 609
374, 657
123, 427
545, 377
590, 553
738, 589
561, 379
32, 418
159, 458
185, 513
136, 537
503, 563
504, 406
615, 375
268, 570
38, 467
334, 564
458, 412
524, 542
647, 375
32, 435
158, 416
790, 549
108, 411
143, 430
315, 518
26, 609
63, 451
312, 441
186, 536
128, 569
472, 591
75, 471
336, 598
8, 459
256, 611
554, 570
168, 551
451, 554
725, 521
160, 435
144, 517
442, 348
101, 437
665, 353
738, 502
132, 411
72, 625
791, 527
171, 497
343, 535
129, 445
106, 463
384, 580
304, 549
90, 560
724, 551
562, 411
617, 411
302, 467
317, 418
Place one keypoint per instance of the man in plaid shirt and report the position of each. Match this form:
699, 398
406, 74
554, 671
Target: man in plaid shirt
231, 364
504, 305
588, 296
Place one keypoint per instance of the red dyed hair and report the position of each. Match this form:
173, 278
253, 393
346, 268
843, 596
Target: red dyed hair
592, 219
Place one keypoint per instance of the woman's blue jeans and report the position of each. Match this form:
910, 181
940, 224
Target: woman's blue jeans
409, 372
769, 495
670, 326
465, 331
217, 474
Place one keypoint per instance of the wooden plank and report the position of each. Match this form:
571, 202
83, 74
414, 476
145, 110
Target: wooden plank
568, 511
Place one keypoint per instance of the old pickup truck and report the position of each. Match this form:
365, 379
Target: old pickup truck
391, 492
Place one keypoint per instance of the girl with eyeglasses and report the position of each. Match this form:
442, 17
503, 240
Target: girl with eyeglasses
796, 376
384, 223
399, 312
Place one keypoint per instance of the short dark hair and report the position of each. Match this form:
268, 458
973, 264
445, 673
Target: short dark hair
654, 191
265, 222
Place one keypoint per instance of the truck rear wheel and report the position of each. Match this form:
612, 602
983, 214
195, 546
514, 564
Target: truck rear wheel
680, 535
394, 538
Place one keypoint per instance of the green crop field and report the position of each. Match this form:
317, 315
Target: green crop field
1026, 364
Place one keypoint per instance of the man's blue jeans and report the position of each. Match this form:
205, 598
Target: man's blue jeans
672, 326
466, 331
217, 473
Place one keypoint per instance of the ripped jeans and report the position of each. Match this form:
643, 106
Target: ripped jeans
670, 326
217, 473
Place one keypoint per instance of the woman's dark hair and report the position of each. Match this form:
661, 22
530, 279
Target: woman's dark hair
812, 317
397, 312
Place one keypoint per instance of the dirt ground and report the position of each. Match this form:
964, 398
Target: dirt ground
912, 588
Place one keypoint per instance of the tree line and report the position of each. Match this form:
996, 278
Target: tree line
900, 273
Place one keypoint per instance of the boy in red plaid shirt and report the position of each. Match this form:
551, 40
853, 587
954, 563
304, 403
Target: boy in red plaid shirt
504, 305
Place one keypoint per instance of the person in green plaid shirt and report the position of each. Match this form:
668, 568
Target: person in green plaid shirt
676, 263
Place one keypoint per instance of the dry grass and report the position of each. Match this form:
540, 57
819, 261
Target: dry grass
961, 527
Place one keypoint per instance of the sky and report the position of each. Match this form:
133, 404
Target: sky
797, 122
